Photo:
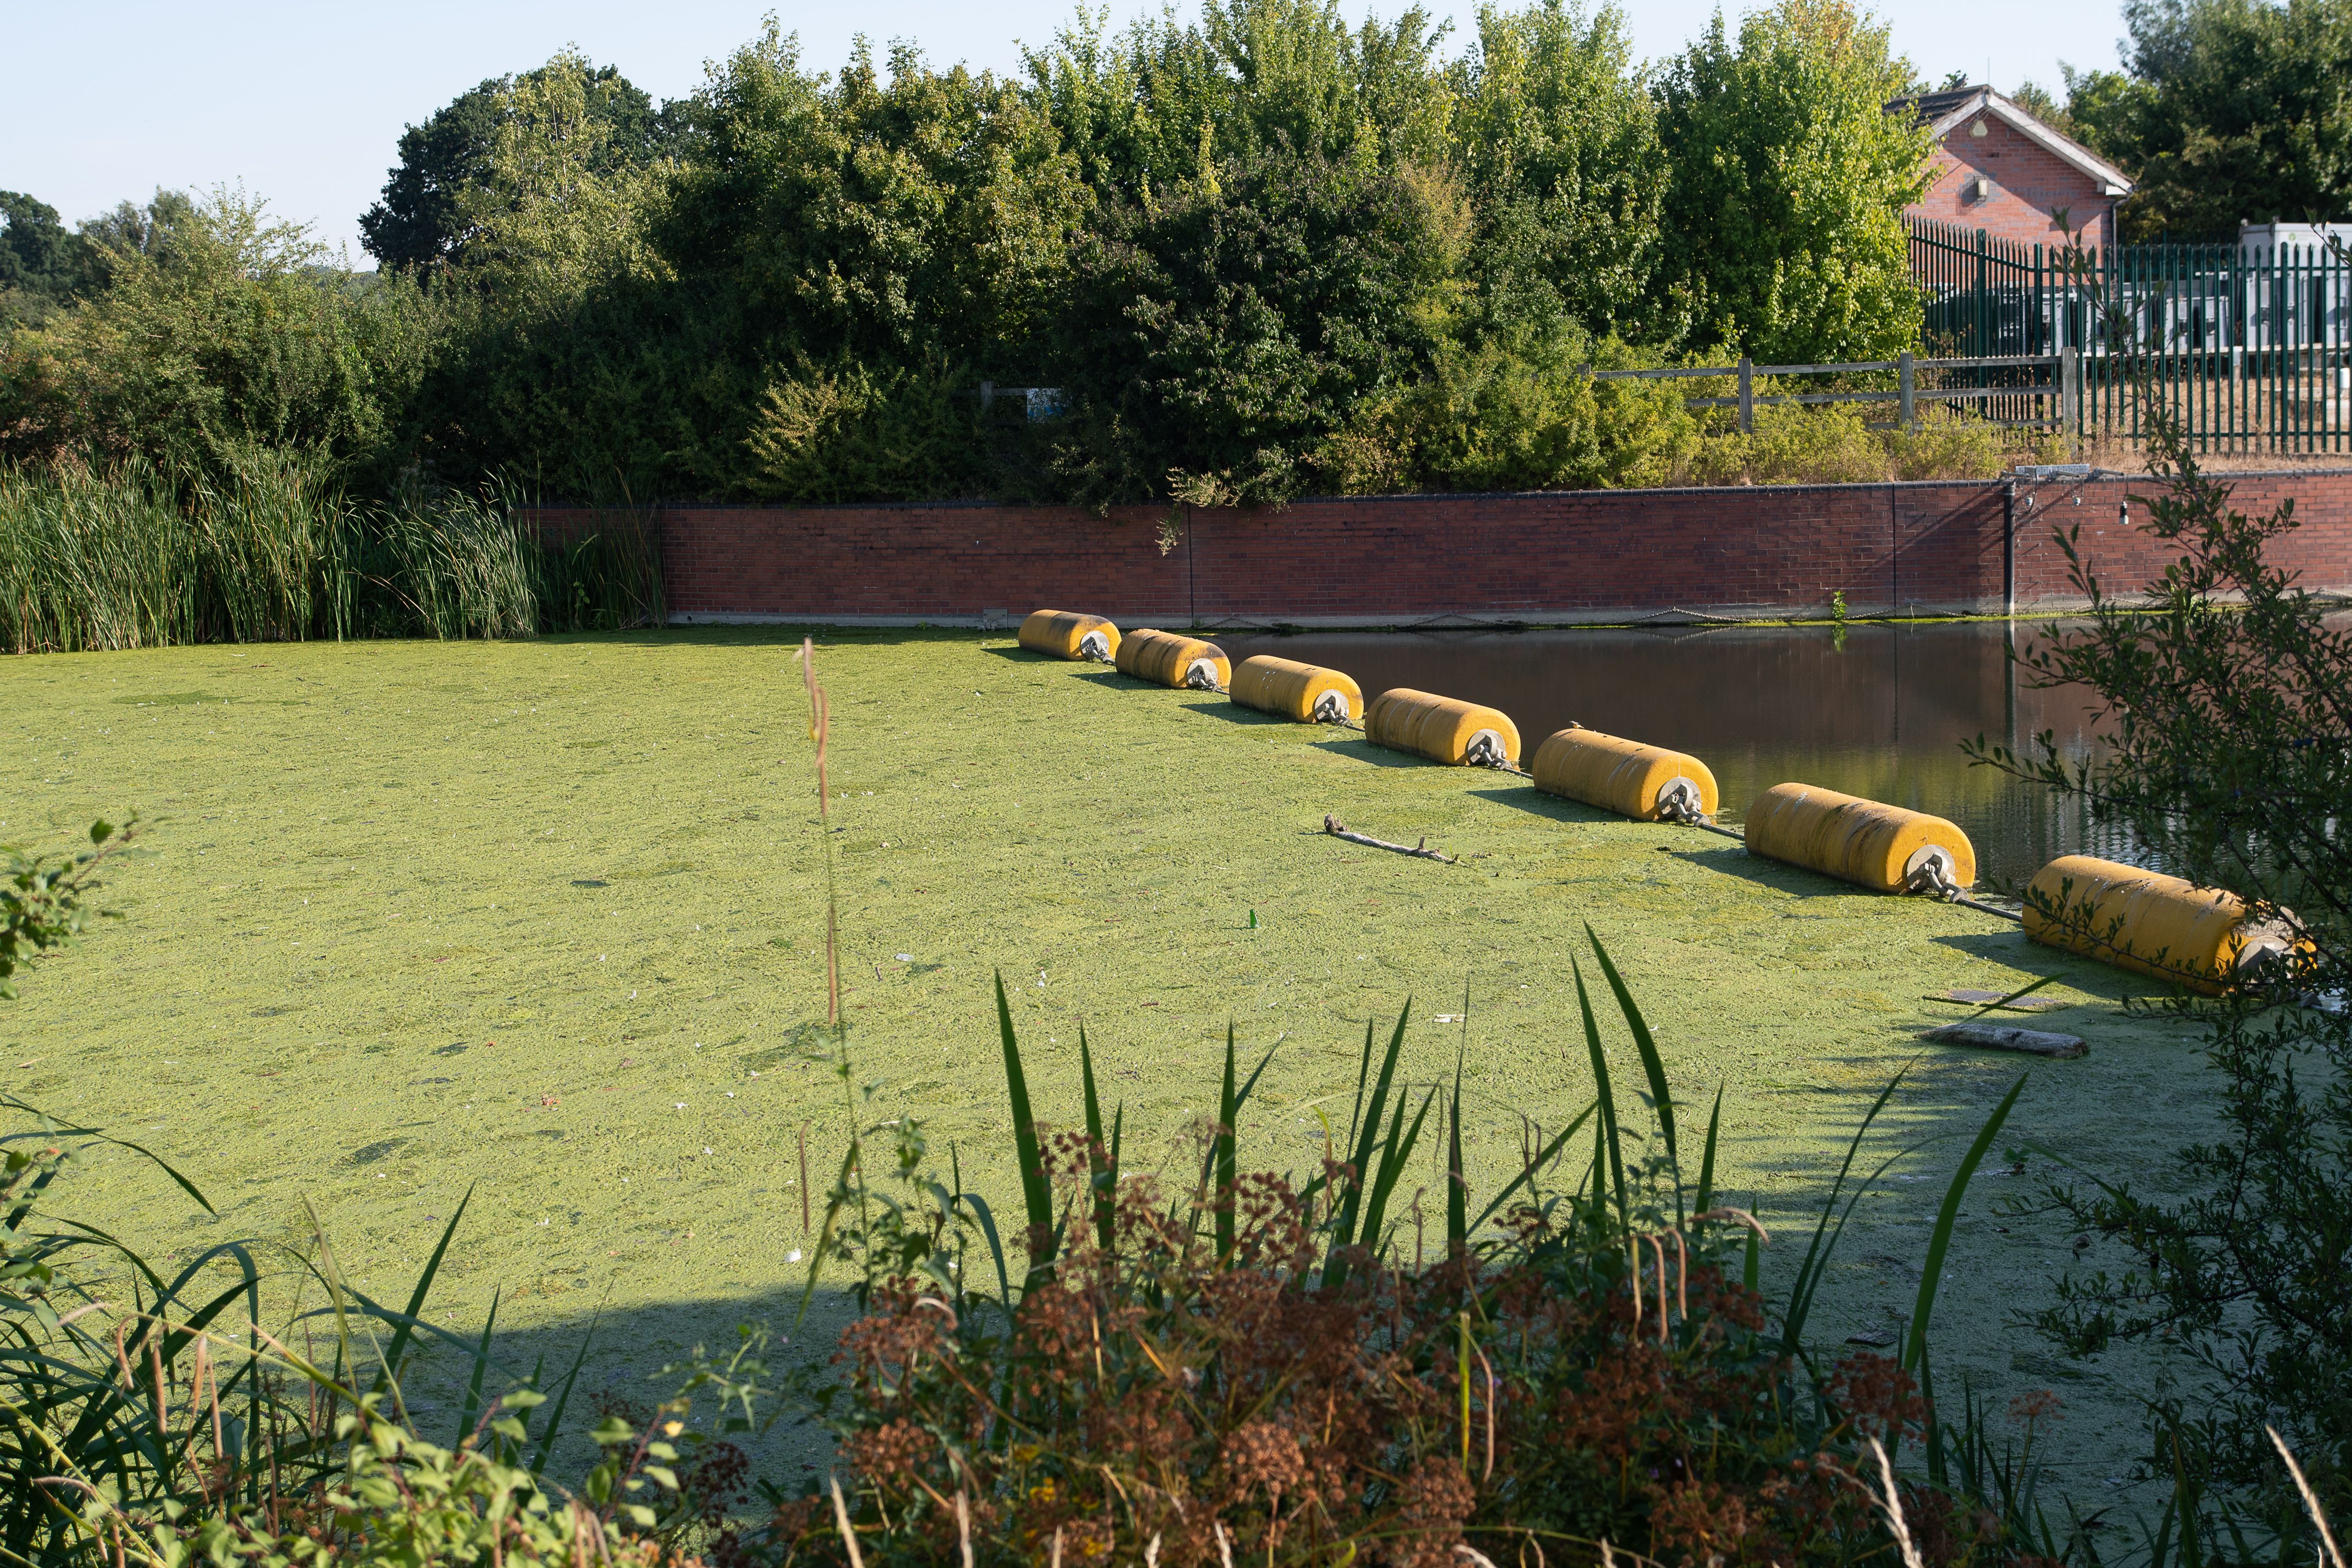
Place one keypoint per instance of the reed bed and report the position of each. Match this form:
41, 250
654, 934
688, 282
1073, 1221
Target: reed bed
128, 556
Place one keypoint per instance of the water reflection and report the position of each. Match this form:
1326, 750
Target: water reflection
1880, 712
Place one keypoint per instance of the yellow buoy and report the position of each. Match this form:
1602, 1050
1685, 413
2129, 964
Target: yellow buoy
2150, 924
1442, 729
1624, 776
1065, 634
1883, 848
1165, 658
1308, 693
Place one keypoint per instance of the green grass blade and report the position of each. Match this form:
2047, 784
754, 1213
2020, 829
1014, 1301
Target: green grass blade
1036, 1191
1363, 1075
1344, 1231
473, 1405
1653, 1066
58, 1129
1222, 1149
1816, 1258
833, 1208
1751, 1268
1110, 1178
563, 1398
406, 1328
987, 1219
1939, 1242
1457, 1189
1705, 1200
1606, 1100
1394, 1158
1099, 1176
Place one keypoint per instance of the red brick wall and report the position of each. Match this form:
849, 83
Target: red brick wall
1763, 553
2029, 184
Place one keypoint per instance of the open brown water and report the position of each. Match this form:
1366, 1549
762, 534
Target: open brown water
1879, 712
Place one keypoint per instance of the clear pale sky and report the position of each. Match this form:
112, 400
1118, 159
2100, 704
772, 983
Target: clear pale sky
303, 102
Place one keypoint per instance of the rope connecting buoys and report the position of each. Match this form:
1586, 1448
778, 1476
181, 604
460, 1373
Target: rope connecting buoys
1304, 693
1165, 658
1442, 729
1627, 777
1883, 848
2152, 924
1065, 634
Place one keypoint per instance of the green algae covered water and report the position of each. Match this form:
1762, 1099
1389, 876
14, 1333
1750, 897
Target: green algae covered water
544, 922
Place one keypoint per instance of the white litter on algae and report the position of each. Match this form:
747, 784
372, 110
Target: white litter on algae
545, 922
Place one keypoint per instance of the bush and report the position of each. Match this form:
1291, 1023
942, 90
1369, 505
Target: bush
1833, 444
1498, 417
1217, 335
227, 332
1251, 1367
2226, 761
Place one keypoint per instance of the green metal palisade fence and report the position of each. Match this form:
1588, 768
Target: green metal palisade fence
2249, 348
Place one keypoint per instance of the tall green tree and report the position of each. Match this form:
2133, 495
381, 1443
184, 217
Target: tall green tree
44, 266
1214, 340
1167, 102
422, 219
2231, 111
1784, 214
1556, 134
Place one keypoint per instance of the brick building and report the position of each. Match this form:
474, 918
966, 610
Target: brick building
1997, 168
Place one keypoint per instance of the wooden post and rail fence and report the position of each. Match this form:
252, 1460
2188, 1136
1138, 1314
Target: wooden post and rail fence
2033, 390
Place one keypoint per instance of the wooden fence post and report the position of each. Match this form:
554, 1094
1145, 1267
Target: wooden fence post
1746, 396
1907, 386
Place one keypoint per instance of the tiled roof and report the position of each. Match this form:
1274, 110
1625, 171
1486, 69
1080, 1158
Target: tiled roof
1931, 107
1943, 109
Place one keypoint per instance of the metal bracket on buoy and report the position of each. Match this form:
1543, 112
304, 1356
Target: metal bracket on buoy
1929, 871
1095, 646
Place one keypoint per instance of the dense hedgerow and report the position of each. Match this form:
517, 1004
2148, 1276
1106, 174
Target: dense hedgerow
1263, 253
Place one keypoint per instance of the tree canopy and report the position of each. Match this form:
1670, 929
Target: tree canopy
1260, 251
2228, 111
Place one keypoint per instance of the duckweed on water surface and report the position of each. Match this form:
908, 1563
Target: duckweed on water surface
545, 920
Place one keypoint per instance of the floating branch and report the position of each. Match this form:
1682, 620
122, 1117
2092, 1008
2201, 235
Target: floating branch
2004, 1038
1339, 829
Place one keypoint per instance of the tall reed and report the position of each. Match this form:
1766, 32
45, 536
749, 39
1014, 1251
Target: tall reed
270, 549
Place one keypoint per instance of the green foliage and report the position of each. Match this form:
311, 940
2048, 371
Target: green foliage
41, 900
1493, 418
44, 266
1835, 445
1783, 216
1253, 1369
1213, 338
1558, 135
422, 221
2230, 110
2226, 758
218, 333
1260, 252
134, 556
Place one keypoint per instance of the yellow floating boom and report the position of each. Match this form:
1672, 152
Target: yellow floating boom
1624, 776
1442, 729
1065, 634
1166, 658
1883, 848
1305, 693
2152, 924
